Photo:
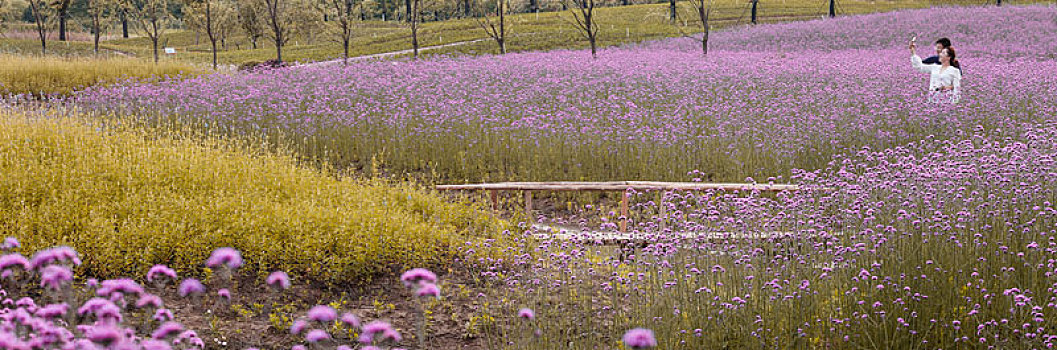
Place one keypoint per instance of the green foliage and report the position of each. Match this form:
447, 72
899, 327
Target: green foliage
127, 199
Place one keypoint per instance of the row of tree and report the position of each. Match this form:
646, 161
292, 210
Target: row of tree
280, 20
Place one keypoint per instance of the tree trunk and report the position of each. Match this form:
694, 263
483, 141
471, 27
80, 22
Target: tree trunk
407, 5
534, 5
345, 59
62, 24
671, 10
154, 41
754, 2
704, 28
124, 25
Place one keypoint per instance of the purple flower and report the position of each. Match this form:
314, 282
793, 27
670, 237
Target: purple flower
162, 315
8, 261
297, 347
190, 286
166, 330
351, 320
298, 326
418, 275
278, 279
316, 335
52, 255
146, 300
322, 313
105, 334
428, 290
10, 243
526, 313
225, 256
224, 293
158, 271
377, 328
55, 277
53, 311
640, 338
124, 286
151, 344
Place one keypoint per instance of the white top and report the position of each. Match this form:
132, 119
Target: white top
940, 77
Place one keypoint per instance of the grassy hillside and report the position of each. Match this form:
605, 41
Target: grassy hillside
127, 199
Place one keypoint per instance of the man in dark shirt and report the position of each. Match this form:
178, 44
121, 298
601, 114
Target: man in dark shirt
940, 44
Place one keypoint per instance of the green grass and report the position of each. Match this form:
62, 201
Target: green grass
128, 198
528, 32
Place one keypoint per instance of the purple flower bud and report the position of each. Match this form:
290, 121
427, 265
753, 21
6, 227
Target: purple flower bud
53, 311
278, 279
316, 335
298, 326
224, 293
166, 330
190, 286
526, 313
158, 271
123, 286
10, 243
428, 290
8, 261
105, 334
146, 300
322, 313
225, 256
54, 277
350, 320
640, 338
162, 315
52, 255
417, 275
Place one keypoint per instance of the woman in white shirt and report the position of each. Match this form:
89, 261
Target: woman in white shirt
945, 79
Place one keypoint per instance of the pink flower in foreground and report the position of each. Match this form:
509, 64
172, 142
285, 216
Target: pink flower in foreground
190, 286
418, 275
158, 271
316, 335
428, 290
640, 338
278, 279
526, 313
322, 313
225, 257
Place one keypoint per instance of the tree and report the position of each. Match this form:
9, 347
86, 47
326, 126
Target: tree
250, 19
42, 19
415, 15
277, 13
206, 14
672, 11
704, 10
342, 15
497, 29
584, 20
62, 8
97, 11
153, 16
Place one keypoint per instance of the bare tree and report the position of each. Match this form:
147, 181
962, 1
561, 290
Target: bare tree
62, 8
584, 20
415, 16
343, 12
42, 19
207, 14
672, 11
153, 16
497, 29
703, 8
278, 15
97, 10
250, 20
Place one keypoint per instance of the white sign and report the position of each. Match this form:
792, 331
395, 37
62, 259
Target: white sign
170, 51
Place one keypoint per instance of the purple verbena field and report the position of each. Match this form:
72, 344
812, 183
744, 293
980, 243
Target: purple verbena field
766, 100
920, 226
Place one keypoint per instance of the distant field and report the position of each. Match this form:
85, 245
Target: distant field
20, 74
528, 32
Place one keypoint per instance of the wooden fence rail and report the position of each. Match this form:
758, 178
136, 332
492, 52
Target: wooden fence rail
528, 187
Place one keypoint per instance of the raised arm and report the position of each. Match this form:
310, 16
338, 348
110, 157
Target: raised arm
915, 61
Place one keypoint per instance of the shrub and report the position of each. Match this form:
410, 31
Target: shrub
127, 201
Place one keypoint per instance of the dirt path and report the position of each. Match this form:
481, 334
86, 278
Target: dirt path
390, 54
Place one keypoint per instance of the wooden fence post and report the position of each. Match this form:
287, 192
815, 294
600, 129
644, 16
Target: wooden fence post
624, 211
528, 207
